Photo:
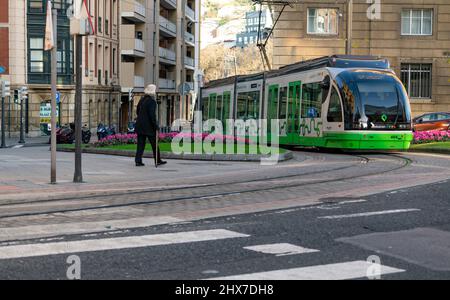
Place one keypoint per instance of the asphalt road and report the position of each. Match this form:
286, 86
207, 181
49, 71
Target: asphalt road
407, 229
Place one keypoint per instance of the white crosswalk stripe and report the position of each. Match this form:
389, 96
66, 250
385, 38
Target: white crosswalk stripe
39, 231
369, 214
45, 249
338, 271
281, 249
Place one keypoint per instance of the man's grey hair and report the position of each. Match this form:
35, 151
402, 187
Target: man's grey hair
150, 90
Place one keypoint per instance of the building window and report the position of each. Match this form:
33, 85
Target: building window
417, 22
36, 55
107, 27
100, 24
417, 80
36, 6
114, 62
322, 21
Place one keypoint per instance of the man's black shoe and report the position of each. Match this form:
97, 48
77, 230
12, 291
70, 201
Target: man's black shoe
140, 165
162, 163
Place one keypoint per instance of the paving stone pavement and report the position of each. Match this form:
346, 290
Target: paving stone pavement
116, 186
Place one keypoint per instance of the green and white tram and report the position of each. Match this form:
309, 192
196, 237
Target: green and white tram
346, 102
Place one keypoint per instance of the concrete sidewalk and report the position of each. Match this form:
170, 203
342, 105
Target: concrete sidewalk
25, 174
29, 142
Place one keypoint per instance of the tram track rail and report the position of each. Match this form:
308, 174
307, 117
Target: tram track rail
404, 162
207, 185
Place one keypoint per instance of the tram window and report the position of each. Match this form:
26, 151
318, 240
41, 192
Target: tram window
205, 108
248, 105
283, 104
242, 106
335, 109
273, 104
226, 107
253, 105
219, 108
312, 100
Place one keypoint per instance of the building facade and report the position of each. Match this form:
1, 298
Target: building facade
160, 45
253, 27
132, 47
414, 35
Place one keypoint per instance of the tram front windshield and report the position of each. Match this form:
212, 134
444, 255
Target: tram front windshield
375, 100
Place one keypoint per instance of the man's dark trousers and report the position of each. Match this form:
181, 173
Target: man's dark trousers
141, 147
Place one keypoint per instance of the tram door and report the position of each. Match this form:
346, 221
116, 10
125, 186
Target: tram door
294, 112
272, 108
226, 109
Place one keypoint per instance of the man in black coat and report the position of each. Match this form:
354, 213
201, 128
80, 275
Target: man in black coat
147, 126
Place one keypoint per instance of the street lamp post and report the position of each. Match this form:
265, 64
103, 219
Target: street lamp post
80, 25
78, 175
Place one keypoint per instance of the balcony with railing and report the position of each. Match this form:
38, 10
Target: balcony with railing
190, 13
133, 47
133, 11
168, 28
166, 84
130, 45
167, 56
169, 4
189, 62
139, 82
190, 38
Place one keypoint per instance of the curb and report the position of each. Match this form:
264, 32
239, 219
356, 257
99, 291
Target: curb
443, 151
166, 155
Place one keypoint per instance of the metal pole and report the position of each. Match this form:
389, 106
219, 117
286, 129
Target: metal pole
78, 176
9, 116
183, 59
3, 124
22, 139
54, 54
349, 27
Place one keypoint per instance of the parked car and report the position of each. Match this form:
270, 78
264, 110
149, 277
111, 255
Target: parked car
432, 121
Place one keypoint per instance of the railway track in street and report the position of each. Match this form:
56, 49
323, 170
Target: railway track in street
365, 165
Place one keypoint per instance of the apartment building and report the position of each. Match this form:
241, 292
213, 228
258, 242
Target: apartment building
160, 45
255, 24
29, 65
414, 35
135, 43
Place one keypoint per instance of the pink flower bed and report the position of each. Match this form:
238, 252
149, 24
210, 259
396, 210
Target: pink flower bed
124, 139
421, 137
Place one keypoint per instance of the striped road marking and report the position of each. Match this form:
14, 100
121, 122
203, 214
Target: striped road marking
339, 271
44, 249
282, 249
368, 214
39, 231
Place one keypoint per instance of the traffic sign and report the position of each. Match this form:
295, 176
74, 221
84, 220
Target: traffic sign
6, 89
58, 97
23, 93
184, 89
2, 70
